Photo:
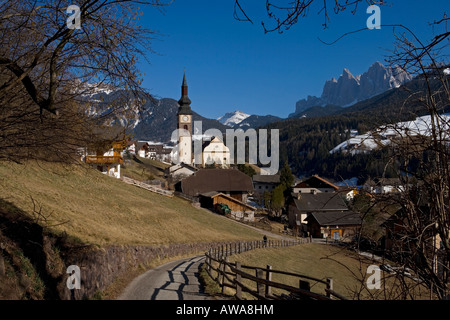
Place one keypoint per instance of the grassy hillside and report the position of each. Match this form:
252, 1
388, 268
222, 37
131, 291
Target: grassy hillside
101, 210
311, 260
143, 169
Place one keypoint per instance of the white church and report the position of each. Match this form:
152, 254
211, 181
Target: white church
214, 151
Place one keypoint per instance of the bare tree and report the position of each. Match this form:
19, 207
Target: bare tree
285, 14
421, 225
48, 68
418, 234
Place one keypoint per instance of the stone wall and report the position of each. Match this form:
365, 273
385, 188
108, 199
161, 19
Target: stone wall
99, 267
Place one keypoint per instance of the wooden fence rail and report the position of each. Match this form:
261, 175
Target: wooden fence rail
147, 187
231, 275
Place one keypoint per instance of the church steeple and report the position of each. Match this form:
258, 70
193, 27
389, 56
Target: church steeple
184, 126
184, 102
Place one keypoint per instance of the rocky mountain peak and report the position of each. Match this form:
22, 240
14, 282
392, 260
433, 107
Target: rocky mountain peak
349, 89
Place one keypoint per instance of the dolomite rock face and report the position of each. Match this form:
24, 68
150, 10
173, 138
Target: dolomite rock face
349, 89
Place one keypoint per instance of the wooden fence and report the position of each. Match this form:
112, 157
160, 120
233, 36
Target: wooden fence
231, 275
148, 187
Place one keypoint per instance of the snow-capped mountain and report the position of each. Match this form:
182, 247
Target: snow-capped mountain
383, 136
233, 118
349, 89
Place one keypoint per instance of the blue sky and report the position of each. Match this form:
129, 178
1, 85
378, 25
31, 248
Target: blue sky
232, 65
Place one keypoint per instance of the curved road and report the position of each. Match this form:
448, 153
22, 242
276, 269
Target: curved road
177, 280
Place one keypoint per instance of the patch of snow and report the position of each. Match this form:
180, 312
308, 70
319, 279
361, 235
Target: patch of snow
233, 118
421, 126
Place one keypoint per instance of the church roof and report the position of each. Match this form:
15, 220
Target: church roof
184, 101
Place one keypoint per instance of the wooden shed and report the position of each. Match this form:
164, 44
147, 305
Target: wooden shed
239, 209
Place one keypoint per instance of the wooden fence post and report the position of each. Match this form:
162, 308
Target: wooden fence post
208, 260
329, 287
260, 286
224, 268
304, 285
238, 281
269, 278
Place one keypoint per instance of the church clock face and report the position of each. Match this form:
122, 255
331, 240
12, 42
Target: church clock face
185, 118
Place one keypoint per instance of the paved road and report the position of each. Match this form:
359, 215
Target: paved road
177, 280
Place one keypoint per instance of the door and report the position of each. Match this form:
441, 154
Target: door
336, 235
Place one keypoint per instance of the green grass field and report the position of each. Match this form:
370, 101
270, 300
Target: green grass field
101, 210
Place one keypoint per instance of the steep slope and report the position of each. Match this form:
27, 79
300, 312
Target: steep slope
101, 210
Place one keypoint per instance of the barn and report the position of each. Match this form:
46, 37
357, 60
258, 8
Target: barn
239, 210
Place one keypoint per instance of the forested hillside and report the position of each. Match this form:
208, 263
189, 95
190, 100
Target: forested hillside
306, 142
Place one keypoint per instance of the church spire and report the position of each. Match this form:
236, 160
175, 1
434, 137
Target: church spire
184, 102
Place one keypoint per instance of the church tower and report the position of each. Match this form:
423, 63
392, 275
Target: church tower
184, 117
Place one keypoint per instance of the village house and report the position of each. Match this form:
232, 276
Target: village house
401, 240
228, 186
315, 184
262, 183
383, 185
301, 205
335, 225
231, 182
181, 171
239, 209
397, 236
108, 162
348, 193
143, 149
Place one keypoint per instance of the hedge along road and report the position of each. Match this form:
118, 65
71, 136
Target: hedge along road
176, 280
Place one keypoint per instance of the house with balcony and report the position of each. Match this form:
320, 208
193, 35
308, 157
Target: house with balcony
108, 162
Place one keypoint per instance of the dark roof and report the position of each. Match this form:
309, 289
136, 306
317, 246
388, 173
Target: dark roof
316, 182
335, 218
183, 165
214, 194
220, 180
139, 145
266, 178
320, 202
